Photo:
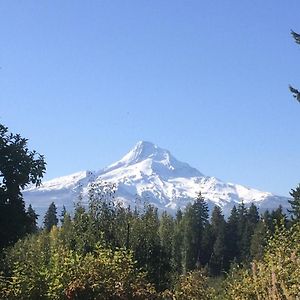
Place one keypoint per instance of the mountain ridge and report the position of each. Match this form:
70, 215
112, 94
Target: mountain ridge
153, 173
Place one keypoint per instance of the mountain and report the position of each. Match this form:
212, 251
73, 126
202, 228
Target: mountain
150, 173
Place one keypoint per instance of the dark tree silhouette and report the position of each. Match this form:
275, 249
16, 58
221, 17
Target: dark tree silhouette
18, 167
50, 218
294, 91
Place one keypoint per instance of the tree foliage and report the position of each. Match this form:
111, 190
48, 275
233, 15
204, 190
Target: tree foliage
276, 276
106, 251
293, 90
18, 167
295, 203
50, 218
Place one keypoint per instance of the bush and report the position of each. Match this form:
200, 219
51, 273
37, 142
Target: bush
276, 276
41, 267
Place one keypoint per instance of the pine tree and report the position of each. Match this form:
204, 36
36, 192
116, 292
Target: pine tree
266, 218
195, 219
166, 234
295, 204
218, 233
62, 214
50, 218
232, 237
258, 240
32, 220
253, 215
177, 243
243, 231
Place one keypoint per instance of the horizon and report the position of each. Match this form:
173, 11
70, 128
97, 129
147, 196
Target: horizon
208, 81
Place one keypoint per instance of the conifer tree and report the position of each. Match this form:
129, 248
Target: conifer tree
232, 237
295, 204
252, 215
178, 243
267, 219
243, 232
195, 220
166, 234
32, 220
50, 218
258, 240
218, 233
62, 214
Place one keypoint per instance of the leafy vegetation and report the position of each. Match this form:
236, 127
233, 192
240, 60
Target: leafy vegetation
18, 167
106, 251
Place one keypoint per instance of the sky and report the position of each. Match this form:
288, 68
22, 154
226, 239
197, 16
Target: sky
208, 80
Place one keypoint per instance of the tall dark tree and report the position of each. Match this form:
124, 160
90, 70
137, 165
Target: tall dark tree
32, 220
18, 167
195, 220
166, 234
295, 203
62, 214
244, 233
232, 237
258, 240
50, 218
253, 215
177, 243
218, 223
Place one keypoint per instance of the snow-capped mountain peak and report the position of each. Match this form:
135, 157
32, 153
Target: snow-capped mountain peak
159, 160
154, 174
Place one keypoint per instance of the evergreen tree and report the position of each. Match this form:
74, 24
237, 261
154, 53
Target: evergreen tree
207, 244
62, 214
232, 237
166, 234
195, 220
295, 204
50, 218
243, 232
278, 218
258, 240
252, 215
32, 220
218, 233
266, 218
178, 243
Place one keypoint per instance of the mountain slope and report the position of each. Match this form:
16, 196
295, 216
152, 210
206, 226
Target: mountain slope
150, 173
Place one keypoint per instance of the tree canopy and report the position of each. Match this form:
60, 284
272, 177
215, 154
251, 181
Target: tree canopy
18, 167
294, 91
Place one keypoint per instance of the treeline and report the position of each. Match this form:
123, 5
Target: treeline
106, 251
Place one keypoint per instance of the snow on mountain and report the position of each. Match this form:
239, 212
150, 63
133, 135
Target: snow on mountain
150, 173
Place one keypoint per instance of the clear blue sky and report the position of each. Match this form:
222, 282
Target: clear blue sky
208, 80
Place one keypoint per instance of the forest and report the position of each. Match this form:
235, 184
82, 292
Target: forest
104, 250
107, 251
